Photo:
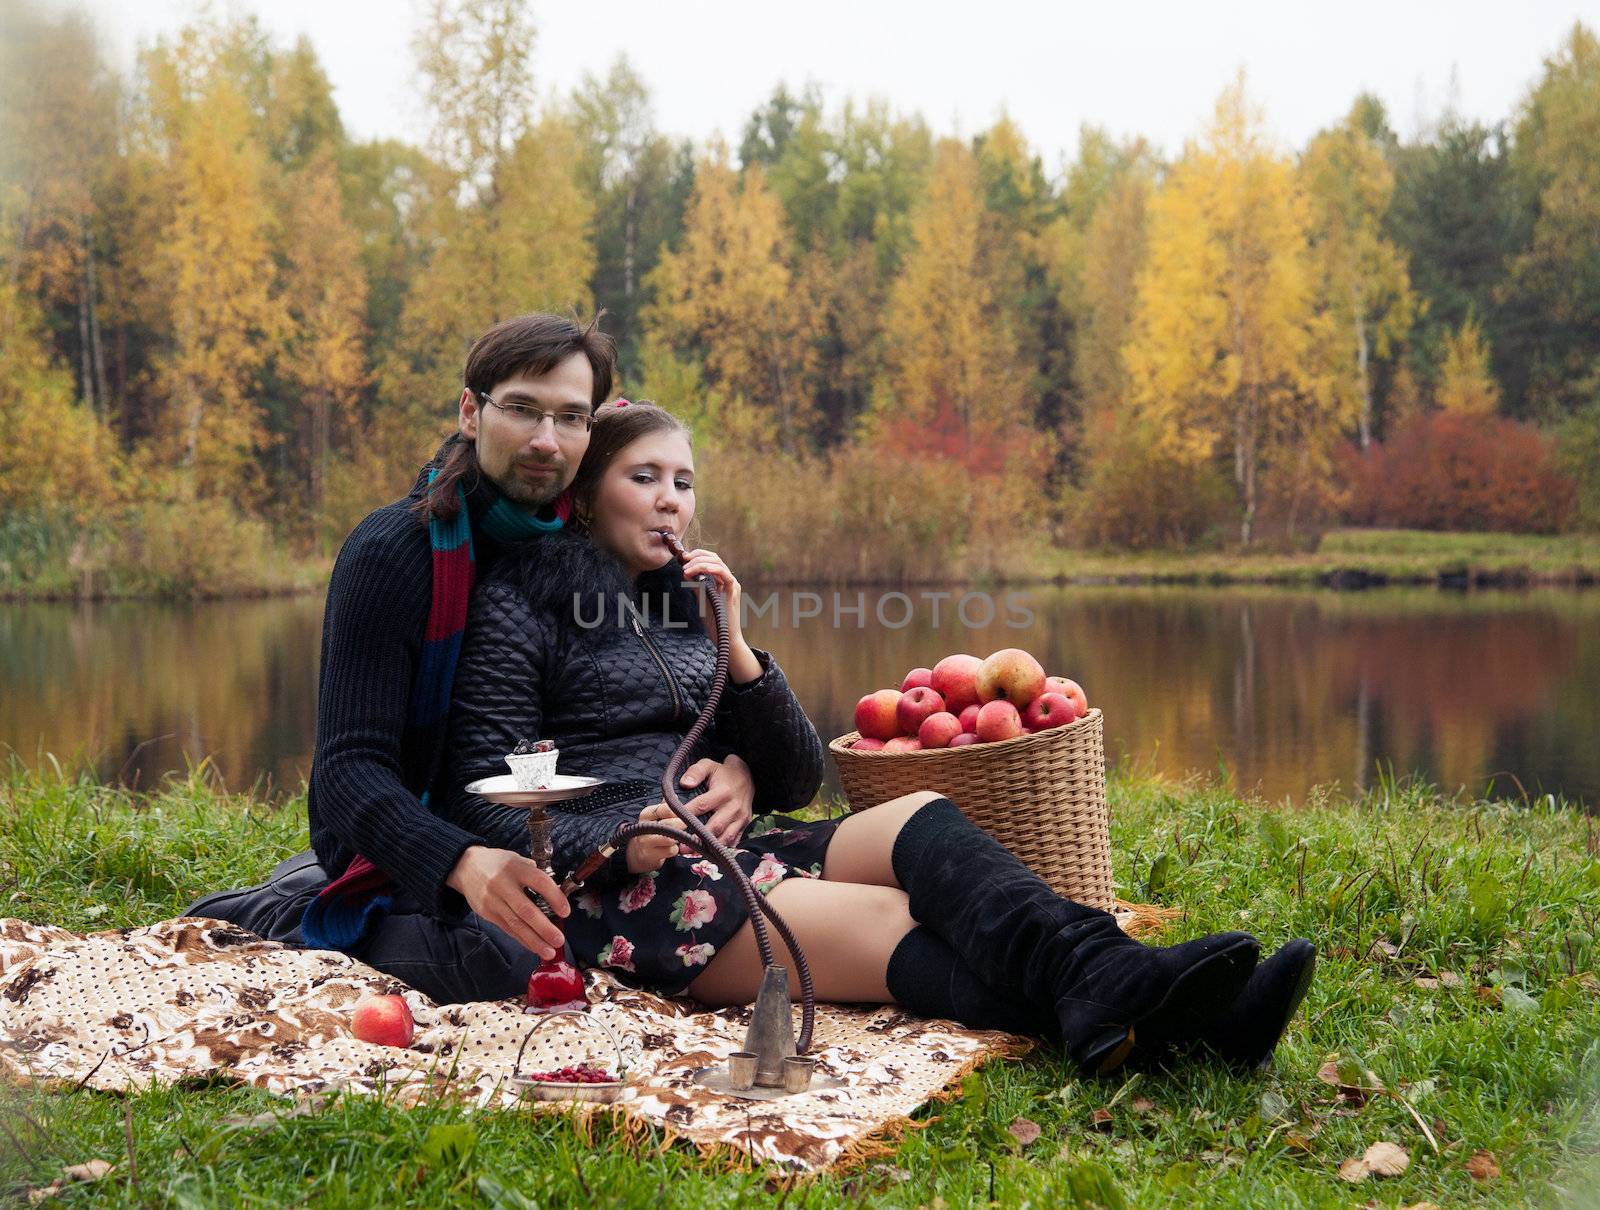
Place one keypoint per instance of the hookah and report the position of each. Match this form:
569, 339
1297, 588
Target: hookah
772, 1057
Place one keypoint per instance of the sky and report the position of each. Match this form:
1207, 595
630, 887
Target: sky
1153, 68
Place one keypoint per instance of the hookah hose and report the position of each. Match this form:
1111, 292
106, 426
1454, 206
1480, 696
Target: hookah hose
698, 836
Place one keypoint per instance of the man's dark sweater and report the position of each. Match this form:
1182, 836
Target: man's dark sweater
369, 770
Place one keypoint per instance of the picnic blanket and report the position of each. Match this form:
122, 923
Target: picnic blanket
200, 998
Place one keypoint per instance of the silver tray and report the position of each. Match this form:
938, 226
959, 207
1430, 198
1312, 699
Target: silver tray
503, 789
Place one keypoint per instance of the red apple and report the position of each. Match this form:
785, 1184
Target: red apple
1049, 710
962, 740
1010, 675
875, 714
383, 1020
917, 678
915, 706
1070, 689
955, 678
969, 718
999, 720
867, 745
938, 730
903, 743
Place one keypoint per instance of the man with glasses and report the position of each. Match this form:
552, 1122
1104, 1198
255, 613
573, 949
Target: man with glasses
441, 903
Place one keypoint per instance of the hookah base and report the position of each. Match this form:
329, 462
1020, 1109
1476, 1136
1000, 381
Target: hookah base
800, 1076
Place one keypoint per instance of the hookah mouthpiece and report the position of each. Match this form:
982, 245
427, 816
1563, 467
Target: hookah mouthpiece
675, 546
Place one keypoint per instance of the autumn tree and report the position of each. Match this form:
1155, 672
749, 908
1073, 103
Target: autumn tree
58, 132
953, 388
509, 227
1466, 385
55, 453
1221, 358
1458, 218
847, 186
639, 181
725, 297
1092, 253
325, 295
1555, 281
1362, 283
211, 270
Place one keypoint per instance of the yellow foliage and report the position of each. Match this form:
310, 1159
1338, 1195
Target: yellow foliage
524, 247
54, 453
1466, 384
1362, 282
948, 348
1222, 356
325, 292
726, 297
213, 271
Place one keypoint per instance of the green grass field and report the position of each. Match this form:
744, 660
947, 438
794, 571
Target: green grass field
1458, 945
1399, 556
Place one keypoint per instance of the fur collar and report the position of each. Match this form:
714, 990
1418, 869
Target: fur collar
570, 576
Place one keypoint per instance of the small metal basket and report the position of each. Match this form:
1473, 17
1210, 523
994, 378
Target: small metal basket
606, 1092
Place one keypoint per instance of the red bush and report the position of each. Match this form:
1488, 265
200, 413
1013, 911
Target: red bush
1455, 472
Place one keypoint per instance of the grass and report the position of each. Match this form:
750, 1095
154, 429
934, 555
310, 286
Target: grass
1354, 556
1499, 901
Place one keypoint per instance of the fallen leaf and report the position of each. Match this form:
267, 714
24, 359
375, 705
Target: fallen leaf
1427, 982
1100, 1119
889, 1172
92, 1170
1274, 1107
1482, 1167
1355, 1171
1387, 1159
1451, 979
1142, 1105
1328, 1073
1024, 1131
1297, 1142
1383, 949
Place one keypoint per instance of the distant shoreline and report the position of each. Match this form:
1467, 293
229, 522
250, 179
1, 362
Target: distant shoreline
1346, 560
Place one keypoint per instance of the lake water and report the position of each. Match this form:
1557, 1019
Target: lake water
1285, 689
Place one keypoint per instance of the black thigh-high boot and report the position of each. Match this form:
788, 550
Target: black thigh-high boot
928, 978
1107, 991
1249, 1031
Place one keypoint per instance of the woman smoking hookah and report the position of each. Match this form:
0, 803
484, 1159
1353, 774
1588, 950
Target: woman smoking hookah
596, 642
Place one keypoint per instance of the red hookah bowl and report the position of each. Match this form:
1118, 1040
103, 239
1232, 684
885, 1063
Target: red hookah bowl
555, 986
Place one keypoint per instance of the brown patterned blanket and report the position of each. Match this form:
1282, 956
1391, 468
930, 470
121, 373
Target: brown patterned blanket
186, 998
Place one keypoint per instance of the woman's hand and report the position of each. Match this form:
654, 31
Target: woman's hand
647, 853
743, 667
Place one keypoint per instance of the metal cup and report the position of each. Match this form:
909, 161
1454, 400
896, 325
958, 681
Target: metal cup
742, 1070
797, 1070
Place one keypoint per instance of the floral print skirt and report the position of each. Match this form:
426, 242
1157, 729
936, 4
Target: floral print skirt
660, 929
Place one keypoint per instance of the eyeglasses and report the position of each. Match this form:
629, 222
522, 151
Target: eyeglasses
569, 423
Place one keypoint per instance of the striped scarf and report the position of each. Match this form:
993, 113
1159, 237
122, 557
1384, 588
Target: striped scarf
349, 907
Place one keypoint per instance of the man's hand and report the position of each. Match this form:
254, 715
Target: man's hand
495, 883
729, 798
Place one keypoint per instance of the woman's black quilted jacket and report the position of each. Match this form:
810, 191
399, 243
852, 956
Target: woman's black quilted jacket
560, 645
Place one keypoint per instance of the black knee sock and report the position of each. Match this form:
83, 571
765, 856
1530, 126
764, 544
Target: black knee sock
926, 977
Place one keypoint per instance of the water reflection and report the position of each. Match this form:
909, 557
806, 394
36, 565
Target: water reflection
1286, 690
137, 689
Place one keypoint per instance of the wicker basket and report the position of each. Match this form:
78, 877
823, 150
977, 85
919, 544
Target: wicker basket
1043, 796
